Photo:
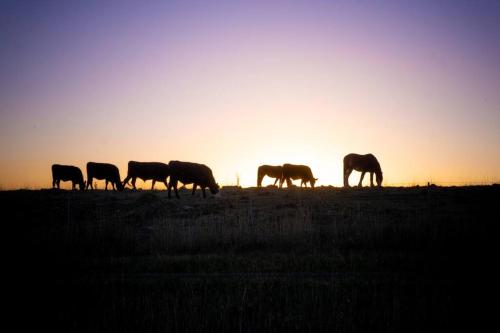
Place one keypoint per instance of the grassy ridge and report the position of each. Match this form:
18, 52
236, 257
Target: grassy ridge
352, 260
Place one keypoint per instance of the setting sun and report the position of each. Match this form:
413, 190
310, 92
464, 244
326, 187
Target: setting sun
250, 165
247, 85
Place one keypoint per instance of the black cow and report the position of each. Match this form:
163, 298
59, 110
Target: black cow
106, 171
155, 171
191, 173
67, 173
270, 171
302, 172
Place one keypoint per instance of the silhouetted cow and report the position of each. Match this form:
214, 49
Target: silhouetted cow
67, 173
362, 163
106, 171
191, 173
270, 171
155, 171
302, 172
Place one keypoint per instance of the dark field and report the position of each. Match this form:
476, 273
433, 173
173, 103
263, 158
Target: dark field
389, 260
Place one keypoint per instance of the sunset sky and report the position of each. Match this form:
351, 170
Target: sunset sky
237, 84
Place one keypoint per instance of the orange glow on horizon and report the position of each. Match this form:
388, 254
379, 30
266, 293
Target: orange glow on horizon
236, 85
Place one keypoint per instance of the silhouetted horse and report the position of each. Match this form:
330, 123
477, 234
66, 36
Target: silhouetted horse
67, 173
155, 171
363, 163
106, 171
191, 173
270, 171
302, 172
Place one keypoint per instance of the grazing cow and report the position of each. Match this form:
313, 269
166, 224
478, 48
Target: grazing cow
302, 172
191, 173
363, 163
67, 173
270, 171
155, 171
106, 171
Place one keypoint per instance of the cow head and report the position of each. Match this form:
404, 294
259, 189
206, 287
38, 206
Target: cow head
380, 178
214, 189
313, 181
119, 186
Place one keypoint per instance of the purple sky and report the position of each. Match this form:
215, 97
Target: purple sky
235, 84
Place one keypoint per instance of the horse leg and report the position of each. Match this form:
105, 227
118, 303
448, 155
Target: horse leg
194, 188
361, 179
259, 180
347, 173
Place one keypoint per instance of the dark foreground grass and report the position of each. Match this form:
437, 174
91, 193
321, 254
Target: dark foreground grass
388, 260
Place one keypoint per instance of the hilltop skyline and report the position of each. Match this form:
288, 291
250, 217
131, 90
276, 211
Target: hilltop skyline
235, 84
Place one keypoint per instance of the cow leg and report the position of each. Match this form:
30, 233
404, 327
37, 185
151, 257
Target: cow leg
166, 184
289, 182
275, 181
125, 181
58, 183
194, 189
153, 184
282, 180
173, 183
89, 183
176, 192
371, 179
134, 179
106, 188
169, 188
53, 183
361, 179
73, 185
203, 190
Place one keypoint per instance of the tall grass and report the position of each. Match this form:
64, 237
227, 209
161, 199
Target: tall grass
296, 260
